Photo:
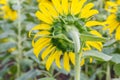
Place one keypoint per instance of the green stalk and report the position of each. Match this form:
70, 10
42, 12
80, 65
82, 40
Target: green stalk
77, 66
77, 63
74, 34
108, 75
19, 57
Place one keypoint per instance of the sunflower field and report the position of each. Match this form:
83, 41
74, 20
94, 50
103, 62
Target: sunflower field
59, 39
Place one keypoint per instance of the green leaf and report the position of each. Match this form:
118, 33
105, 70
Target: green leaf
5, 46
117, 69
89, 37
31, 55
83, 76
110, 42
26, 62
29, 75
116, 79
98, 55
47, 79
4, 35
115, 58
4, 70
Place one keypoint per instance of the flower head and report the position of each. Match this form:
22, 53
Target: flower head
113, 21
53, 38
6, 12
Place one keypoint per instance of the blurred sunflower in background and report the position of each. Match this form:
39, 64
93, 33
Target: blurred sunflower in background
53, 38
6, 11
113, 21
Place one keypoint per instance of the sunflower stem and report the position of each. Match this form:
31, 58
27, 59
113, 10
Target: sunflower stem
78, 60
19, 56
74, 34
108, 75
77, 67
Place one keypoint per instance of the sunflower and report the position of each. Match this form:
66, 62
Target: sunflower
112, 6
6, 12
113, 21
52, 40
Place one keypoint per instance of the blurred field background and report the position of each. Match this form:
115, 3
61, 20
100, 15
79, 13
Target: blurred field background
17, 61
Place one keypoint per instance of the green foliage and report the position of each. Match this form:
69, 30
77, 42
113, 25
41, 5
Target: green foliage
97, 55
117, 69
47, 79
116, 58
90, 37
29, 75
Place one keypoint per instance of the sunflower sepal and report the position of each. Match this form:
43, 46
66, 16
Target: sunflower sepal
118, 16
91, 37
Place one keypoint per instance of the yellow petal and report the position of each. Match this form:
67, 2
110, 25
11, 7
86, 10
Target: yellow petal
57, 58
109, 23
38, 49
72, 57
39, 41
50, 60
111, 6
41, 34
13, 16
38, 35
40, 27
117, 35
95, 45
43, 17
111, 20
111, 17
91, 13
3, 2
44, 10
86, 9
65, 6
113, 27
93, 23
66, 62
79, 7
47, 51
91, 59
87, 47
50, 9
82, 62
57, 5
8, 13
118, 2
94, 32
73, 6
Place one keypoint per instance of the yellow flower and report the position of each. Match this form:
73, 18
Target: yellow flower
112, 6
52, 39
7, 12
3, 2
118, 2
11, 49
113, 21
113, 24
